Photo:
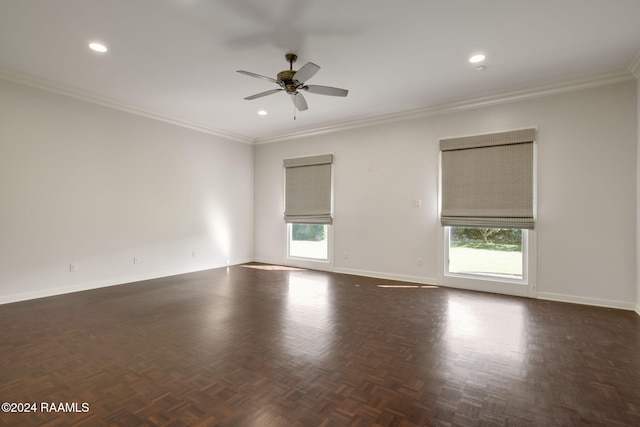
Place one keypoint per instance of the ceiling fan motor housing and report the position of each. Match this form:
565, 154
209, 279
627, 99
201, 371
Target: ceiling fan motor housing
285, 79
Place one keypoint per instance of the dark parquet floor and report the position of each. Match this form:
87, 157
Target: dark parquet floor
265, 346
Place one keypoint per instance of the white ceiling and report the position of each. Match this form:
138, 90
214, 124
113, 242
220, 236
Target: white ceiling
177, 59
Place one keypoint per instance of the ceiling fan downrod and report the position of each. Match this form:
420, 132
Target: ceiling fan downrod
291, 58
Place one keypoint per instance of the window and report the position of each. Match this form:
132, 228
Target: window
487, 197
309, 241
308, 206
492, 252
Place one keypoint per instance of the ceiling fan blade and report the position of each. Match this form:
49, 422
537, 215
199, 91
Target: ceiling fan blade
326, 90
299, 101
261, 94
257, 76
307, 71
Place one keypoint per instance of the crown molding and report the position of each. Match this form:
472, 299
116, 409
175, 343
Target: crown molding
22, 78
596, 80
634, 66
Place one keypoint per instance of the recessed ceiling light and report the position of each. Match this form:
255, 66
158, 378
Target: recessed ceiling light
262, 113
98, 47
476, 58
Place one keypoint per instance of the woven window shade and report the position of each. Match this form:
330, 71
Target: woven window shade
308, 190
487, 180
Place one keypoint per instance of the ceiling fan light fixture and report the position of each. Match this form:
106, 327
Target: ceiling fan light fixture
477, 58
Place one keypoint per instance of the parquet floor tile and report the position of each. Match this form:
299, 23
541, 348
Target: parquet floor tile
259, 345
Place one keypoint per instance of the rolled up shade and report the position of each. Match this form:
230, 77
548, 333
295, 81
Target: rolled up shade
308, 189
487, 180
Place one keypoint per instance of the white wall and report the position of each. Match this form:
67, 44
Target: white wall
638, 202
586, 192
85, 184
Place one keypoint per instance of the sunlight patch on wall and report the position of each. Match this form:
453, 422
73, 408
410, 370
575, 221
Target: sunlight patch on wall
219, 226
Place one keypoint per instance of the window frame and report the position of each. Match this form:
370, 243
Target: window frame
489, 277
289, 229
489, 283
310, 263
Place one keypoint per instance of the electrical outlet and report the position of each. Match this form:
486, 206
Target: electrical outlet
193, 253
73, 267
346, 255
420, 262
136, 260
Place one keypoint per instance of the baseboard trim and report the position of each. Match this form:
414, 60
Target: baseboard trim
364, 273
549, 296
597, 302
44, 293
268, 261
387, 276
432, 281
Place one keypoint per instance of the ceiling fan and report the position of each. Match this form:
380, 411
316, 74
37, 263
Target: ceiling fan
292, 81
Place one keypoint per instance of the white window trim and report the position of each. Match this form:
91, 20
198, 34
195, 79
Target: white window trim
311, 263
478, 282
